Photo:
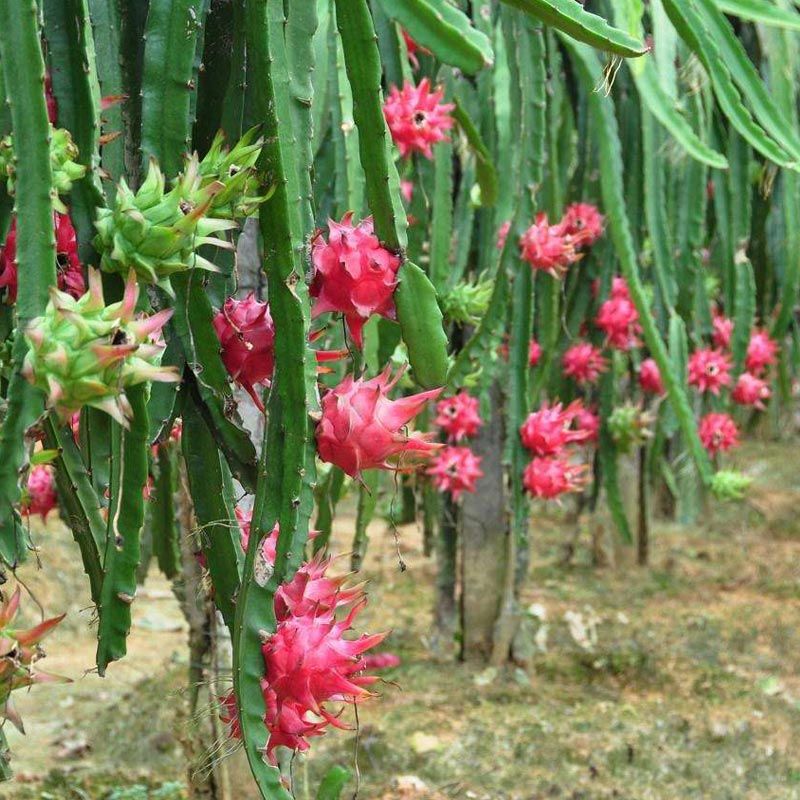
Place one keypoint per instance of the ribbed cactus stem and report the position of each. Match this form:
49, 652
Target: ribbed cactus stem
281, 487
23, 72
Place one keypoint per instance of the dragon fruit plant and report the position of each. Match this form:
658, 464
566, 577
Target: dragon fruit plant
499, 304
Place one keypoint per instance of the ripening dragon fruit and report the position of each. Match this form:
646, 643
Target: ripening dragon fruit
548, 477
83, 352
534, 353
157, 233
722, 330
751, 390
650, 377
247, 342
361, 427
308, 660
584, 223
547, 247
417, 118
458, 416
455, 470
310, 663
549, 430
718, 432
19, 652
588, 422
618, 318
353, 274
762, 352
584, 363
40, 495
69, 272
709, 370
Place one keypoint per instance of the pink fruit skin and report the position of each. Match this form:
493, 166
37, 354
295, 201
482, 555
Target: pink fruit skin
417, 118
361, 427
353, 274
455, 470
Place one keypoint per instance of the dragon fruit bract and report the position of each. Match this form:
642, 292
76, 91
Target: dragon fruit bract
83, 352
19, 651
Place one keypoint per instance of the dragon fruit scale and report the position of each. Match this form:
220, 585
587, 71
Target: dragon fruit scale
83, 352
157, 233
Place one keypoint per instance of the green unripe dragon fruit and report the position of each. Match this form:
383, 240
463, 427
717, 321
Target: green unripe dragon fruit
727, 485
85, 353
466, 303
234, 168
63, 152
157, 233
629, 426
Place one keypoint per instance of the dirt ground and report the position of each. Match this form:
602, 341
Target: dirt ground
676, 681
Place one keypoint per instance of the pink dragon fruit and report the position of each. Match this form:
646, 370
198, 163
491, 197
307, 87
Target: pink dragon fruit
502, 234
751, 391
549, 477
547, 247
588, 422
69, 272
247, 338
361, 428
549, 430
309, 663
650, 377
455, 470
458, 416
709, 370
718, 432
353, 274
722, 330
417, 118
534, 353
618, 318
762, 352
583, 362
583, 223
40, 496
381, 661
